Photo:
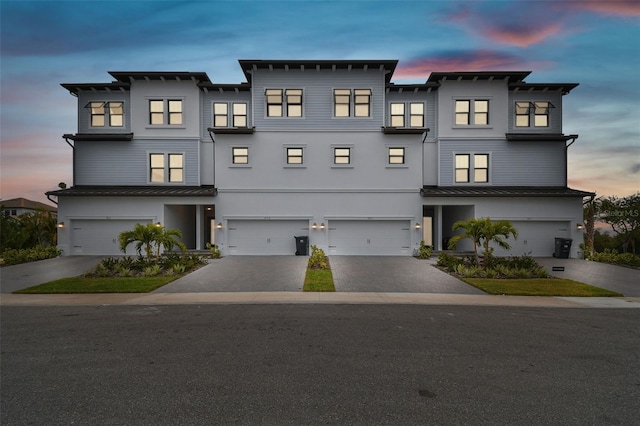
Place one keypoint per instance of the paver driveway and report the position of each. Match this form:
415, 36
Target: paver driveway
394, 274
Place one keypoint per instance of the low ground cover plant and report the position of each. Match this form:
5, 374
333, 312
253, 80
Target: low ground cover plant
492, 267
615, 258
17, 256
168, 264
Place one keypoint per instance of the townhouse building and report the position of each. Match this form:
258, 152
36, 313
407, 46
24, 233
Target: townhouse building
329, 149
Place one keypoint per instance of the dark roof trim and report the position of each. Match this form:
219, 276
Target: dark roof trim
501, 191
136, 191
539, 137
389, 65
392, 87
232, 130
128, 76
208, 86
512, 76
76, 88
99, 137
565, 88
404, 130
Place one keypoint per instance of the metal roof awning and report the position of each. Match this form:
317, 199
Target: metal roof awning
539, 137
137, 191
501, 191
404, 130
232, 130
99, 137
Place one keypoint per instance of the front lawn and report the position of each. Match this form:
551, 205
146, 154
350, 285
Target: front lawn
100, 285
319, 280
539, 287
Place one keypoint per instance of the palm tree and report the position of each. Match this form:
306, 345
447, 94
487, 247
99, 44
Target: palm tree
144, 236
496, 232
474, 230
166, 240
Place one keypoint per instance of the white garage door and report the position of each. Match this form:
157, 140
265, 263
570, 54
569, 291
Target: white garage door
369, 237
100, 237
260, 237
536, 238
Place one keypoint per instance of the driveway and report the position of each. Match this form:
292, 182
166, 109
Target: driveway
394, 274
17, 277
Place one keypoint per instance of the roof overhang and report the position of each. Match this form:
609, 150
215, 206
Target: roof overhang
563, 88
130, 76
502, 191
116, 137
511, 76
214, 87
249, 65
136, 191
539, 137
76, 88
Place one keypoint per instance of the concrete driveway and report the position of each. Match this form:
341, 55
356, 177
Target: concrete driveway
17, 277
393, 274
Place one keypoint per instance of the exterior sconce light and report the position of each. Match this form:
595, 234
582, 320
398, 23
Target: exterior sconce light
322, 225
417, 225
580, 226
158, 224
314, 226
60, 225
219, 225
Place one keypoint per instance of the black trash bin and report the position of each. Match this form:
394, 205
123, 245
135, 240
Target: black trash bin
302, 245
563, 248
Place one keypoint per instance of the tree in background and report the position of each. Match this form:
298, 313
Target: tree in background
623, 215
28, 230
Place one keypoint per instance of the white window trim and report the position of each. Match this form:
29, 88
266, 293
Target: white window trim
389, 165
285, 106
352, 104
406, 117
107, 114
471, 155
166, 167
240, 166
351, 156
165, 124
230, 116
286, 165
471, 112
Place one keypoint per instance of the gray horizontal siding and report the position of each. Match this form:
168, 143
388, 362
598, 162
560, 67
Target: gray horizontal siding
126, 163
84, 114
229, 97
318, 98
511, 163
555, 114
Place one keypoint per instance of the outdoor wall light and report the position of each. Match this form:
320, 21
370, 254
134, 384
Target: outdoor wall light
158, 224
580, 226
322, 225
314, 226
417, 226
61, 225
219, 225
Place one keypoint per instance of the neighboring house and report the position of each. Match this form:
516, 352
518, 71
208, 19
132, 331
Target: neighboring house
330, 149
17, 206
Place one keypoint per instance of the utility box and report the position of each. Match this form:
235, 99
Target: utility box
563, 248
302, 245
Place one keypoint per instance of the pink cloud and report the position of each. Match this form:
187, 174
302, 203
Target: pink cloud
623, 8
521, 36
479, 60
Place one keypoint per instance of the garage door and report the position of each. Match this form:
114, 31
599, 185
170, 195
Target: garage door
260, 237
370, 237
536, 238
100, 237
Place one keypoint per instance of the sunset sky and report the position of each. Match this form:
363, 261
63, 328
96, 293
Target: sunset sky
45, 43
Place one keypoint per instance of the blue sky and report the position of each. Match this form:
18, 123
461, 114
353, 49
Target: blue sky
45, 43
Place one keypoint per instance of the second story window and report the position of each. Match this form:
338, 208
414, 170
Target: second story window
220, 114
163, 112
522, 114
116, 114
342, 102
472, 112
416, 114
274, 102
362, 102
397, 114
160, 173
468, 167
294, 102
239, 115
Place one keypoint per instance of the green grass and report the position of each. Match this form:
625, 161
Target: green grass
100, 285
319, 280
539, 287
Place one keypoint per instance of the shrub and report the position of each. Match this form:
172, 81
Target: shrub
425, 251
15, 257
317, 260
177, 269
612, 256
448, 261
152, 271
214, 250
125, 272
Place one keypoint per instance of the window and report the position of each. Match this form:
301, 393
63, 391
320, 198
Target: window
240, 155
396, 155
274, 102
362, 102
116, 114
341, 155
474, 112
220, 114
465, 170
462, 168
342, 102
239, 115
97, 114
397, 115
541, 114
294, 156
157, 109
416, 111
522, 114
294, 102
159, 173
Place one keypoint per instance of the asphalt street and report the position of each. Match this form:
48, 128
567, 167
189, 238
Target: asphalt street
318, 364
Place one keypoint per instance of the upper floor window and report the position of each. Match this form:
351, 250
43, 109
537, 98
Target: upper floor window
166, 168
294, 102
362, 102
103, 112
165, 111
522, 114
472, 112
398, 116
471, 168
342, 102
274, 102
342, 99
240, 155
239, 115
541, 113
221, 114
281, 102
539, 110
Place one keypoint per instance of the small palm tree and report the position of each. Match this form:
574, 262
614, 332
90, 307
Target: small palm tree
474, 230
167, 240
497, 232
144, 236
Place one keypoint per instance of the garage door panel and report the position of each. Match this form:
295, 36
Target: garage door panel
265, 237
100, 237
536, 238
371, 237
